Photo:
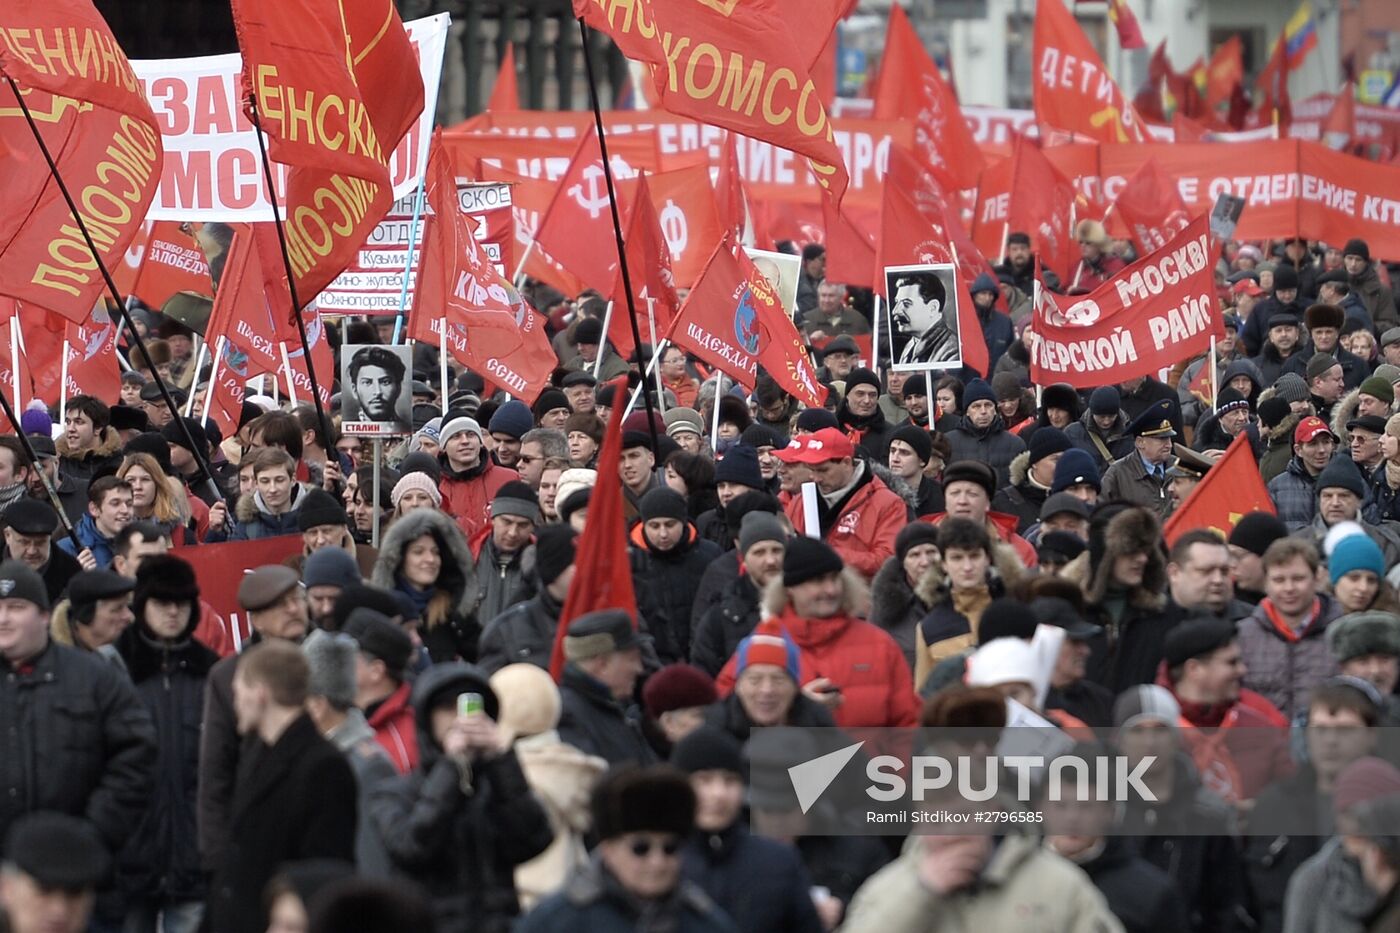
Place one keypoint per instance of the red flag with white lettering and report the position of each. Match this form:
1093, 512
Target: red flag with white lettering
1151, 207
529, 202
99, 128
1070, 86
241, 314
910, 86
352, 67
1154, 313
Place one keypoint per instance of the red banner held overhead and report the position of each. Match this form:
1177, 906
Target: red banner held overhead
1071, 87
98, 126
352, 66
1042, 204
1156, 312
1231, 490
649, 271
581, 203
742, 66
172, 263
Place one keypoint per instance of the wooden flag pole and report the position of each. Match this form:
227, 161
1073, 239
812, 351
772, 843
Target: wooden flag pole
321, 419
617, 226
113, 291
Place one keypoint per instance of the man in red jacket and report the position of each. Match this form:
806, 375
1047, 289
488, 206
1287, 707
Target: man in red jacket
858, 514
853, 668
470, 478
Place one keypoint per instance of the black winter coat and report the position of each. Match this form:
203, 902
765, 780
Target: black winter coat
219, 750
666, 583
74, 738
523, 633
760, 882
592, 721
716, 636
161, 859
293, 800
1292, 807
722, 571
841, 864
896, 608
1126, 653
1116, 440
1208, 870
1151, 392
871, 433
993, 445
1139, 893
461, 846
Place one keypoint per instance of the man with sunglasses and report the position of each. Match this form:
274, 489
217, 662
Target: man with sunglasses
641, 817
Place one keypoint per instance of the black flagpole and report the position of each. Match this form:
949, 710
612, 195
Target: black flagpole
617, 234
176, 417
292, 288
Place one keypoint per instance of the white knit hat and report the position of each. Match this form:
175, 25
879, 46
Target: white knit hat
415, 480
572, 481
457, 426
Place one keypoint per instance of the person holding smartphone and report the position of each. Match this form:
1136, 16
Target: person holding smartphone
464, 818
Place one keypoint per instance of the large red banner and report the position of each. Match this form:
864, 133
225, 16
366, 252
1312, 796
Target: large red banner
220, 569
1158, 311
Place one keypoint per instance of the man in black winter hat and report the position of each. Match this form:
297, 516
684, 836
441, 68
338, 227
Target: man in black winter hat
1378, 298
525, 631
52, 867
761, 882
668, 561
861, 418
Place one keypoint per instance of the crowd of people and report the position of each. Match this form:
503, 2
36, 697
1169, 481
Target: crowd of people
373, 739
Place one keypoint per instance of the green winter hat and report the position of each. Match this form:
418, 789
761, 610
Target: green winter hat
1379, 388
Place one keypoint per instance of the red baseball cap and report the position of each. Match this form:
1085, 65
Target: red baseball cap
826, 444
1248, 287
1310, 428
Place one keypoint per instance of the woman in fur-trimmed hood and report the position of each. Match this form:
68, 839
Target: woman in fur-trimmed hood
1123, 575
426, 557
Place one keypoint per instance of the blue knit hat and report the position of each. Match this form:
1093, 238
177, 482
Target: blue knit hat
769, 644
513, 418
1076, 466
977, 391
1355, 552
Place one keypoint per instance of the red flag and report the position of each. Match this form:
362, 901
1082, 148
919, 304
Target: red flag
505, 93
1188, 130
1129, 32
1271, 89
850, 251
241, 313
460, 297
689, 218
335, 85
1225, 71
16, 379
1200, 384
99, 128
649, 271
529, 201
92, 359
1229, 491
1339, 128
224, 402
733, 321
729, 189
603, 578
1041, 203
574, 229
1150, 205
172, 263
910, 85
1071, 87
1157, 311
742, 66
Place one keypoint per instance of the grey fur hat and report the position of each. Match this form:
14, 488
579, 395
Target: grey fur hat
331, 657
1363, 633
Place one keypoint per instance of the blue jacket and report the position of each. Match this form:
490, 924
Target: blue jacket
760, 882
249, 521
998, 333
92, 539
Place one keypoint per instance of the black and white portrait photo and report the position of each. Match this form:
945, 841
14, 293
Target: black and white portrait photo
922, 317
374, 384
